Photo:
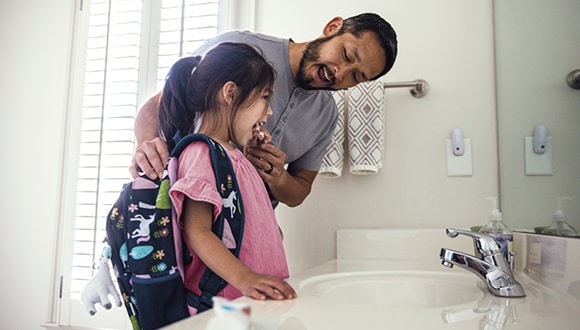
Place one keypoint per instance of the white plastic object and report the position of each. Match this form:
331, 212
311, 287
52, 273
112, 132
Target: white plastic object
540, 139
536, 163
495, 214
229, 315
459, 165
560, 226
457, 142
497, 229
559, 214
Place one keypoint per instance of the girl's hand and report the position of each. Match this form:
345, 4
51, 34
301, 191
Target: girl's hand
211, 250
262, 287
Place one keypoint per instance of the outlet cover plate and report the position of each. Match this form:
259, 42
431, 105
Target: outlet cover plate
459, 165
538, 164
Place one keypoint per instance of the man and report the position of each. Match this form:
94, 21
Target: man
350, 51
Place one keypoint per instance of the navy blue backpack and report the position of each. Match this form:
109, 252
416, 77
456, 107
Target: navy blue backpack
147, 251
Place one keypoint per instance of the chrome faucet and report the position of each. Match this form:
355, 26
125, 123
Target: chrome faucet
489, 263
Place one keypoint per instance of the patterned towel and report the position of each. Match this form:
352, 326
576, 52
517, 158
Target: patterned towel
334, 158
366, 107
361, 119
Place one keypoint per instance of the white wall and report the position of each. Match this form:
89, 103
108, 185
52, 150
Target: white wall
537, 46
448, 43
35, 38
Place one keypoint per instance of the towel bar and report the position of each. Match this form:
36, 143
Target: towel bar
419, 87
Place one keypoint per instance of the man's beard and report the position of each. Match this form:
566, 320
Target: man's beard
311, 55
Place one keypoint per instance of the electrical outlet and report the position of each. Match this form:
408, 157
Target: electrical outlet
459, 165
538, 164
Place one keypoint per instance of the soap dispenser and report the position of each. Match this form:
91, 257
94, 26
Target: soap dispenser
497, 229
560, 226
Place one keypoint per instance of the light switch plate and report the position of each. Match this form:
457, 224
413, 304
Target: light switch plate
538, 164
459, 165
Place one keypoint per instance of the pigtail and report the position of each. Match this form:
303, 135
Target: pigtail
192, 86
176, 113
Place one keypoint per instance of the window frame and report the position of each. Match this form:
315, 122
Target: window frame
64, 312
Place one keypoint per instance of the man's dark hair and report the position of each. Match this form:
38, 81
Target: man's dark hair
381, 28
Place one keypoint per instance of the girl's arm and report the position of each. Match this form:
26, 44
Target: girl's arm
210, 249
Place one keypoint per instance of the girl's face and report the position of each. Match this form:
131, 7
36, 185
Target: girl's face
256, 110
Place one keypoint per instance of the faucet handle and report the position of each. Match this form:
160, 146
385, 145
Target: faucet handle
484, 244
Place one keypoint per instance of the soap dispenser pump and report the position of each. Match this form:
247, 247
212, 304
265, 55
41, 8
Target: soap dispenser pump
560, 226
497, 229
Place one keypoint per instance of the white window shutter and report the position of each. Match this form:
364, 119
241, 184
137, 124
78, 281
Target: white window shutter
123, 49
183, 28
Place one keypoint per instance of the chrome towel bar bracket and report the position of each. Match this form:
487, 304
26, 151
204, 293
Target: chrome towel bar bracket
419, 87
573, 79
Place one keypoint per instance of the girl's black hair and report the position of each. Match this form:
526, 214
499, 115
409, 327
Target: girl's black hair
193, 83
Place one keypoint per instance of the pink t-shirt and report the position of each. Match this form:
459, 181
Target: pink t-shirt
262, 250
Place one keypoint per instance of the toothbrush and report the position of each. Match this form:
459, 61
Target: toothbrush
258, 133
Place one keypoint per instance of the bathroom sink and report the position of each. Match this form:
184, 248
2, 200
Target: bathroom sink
394, 289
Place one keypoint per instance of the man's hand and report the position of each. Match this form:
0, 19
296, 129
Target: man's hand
151, 154
150, 158
289, 186
268, 160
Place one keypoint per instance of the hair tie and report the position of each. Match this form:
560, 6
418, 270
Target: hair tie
193, 70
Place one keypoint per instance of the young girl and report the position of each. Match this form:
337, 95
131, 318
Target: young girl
224, 95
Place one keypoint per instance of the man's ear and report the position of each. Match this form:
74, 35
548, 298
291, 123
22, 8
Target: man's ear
332, 26
229, 92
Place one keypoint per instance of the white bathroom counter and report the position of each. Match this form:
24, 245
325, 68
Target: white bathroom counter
541, 308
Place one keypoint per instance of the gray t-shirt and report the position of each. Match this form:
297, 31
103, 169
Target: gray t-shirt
303, 120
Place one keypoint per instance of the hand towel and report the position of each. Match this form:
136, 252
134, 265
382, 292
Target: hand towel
333, 160
366, 103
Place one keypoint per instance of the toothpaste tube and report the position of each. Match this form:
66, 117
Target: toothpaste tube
229, 315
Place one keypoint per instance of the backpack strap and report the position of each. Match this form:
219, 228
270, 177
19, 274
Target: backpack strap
232, 213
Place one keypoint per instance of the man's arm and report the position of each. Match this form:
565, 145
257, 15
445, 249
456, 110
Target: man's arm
151, 154
293, 186
147, 121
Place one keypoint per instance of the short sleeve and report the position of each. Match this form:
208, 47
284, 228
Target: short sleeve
195, 179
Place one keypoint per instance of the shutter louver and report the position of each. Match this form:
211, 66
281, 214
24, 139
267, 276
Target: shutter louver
110, 104
123, 51
183, 28
108, 113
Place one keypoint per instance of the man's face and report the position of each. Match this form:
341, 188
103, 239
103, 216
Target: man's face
340, 61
